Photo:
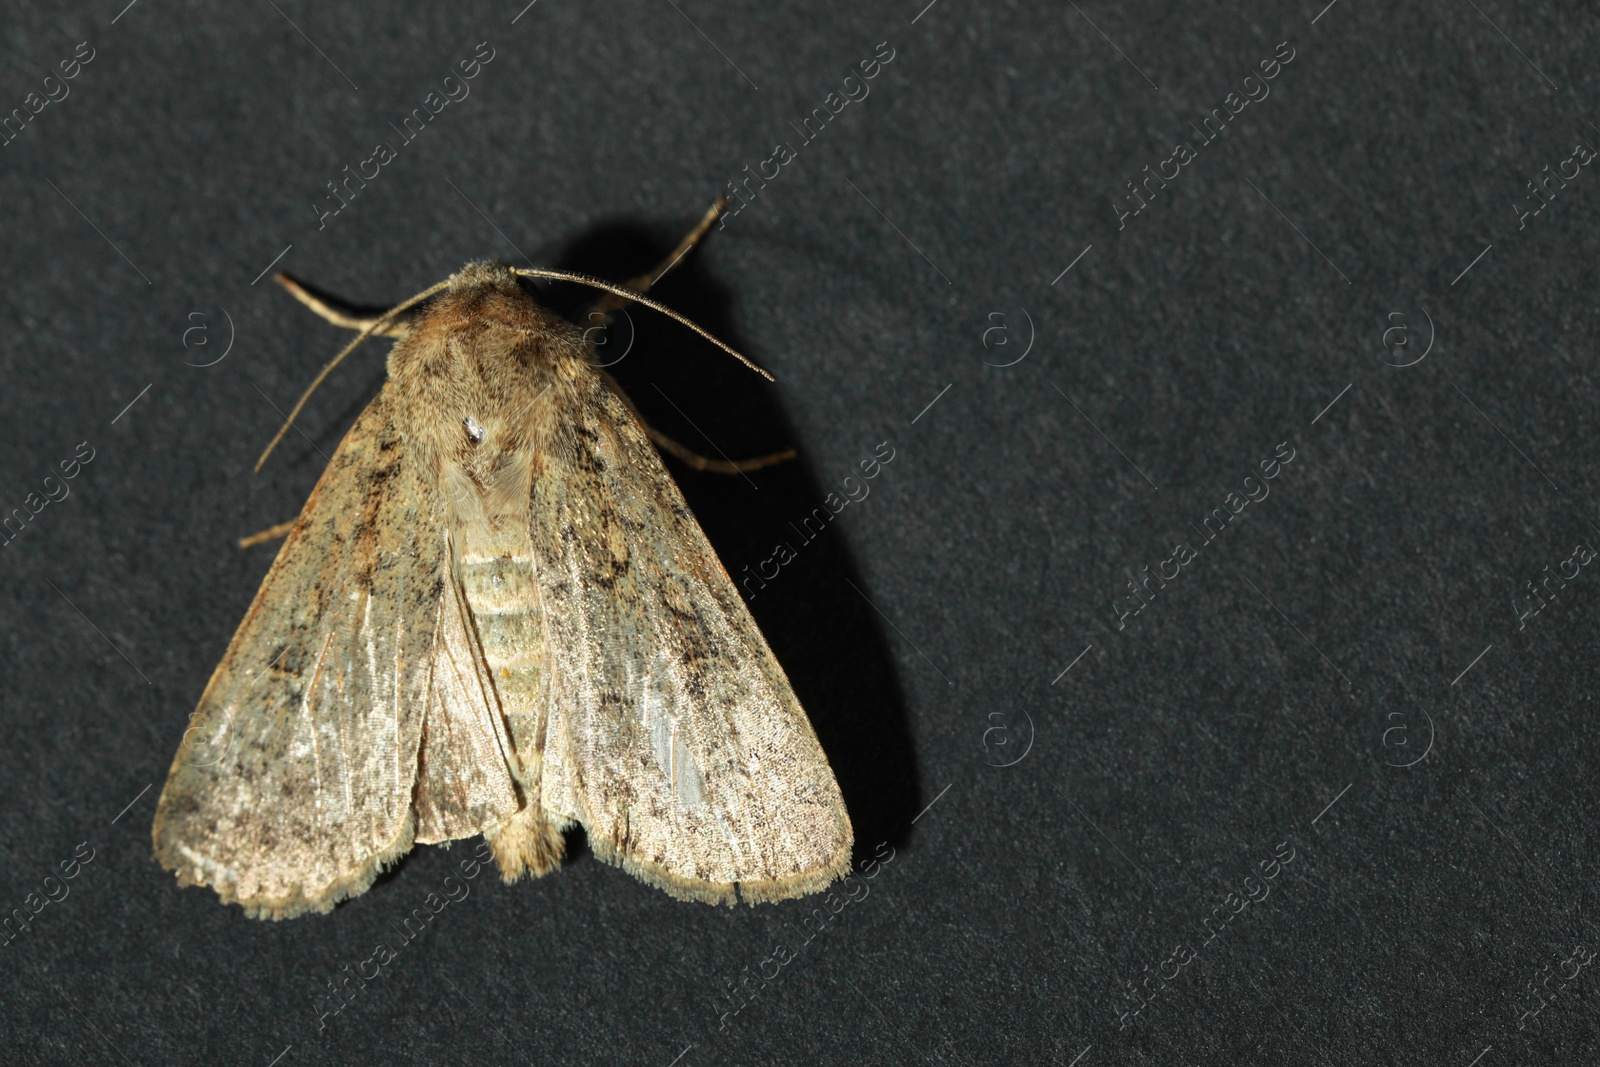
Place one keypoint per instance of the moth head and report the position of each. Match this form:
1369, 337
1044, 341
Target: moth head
481, 312
483, 273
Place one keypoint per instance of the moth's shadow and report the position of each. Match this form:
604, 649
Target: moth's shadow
826, 636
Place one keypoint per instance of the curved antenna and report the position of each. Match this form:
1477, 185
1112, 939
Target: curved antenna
376, 325
639, 298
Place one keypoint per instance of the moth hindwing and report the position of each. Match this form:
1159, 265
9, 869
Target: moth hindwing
496, 615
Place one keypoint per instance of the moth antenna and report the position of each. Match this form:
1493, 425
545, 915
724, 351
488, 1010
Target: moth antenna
373, 328
638, 298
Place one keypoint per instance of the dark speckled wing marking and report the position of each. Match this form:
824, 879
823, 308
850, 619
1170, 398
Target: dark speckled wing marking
313, 718
672, 733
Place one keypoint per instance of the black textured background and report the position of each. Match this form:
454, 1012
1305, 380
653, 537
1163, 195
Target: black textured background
1058, 840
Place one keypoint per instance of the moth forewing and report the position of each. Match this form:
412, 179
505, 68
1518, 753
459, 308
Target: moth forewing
496, 614
317, 705
673, 735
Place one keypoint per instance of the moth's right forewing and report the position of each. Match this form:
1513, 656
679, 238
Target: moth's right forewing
294, 782
672, 734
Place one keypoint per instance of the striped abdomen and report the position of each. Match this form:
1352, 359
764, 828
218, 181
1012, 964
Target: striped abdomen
495, 563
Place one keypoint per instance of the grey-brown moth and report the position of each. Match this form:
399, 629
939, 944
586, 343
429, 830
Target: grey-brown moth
496, 615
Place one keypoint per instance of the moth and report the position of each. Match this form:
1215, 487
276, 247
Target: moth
496, 615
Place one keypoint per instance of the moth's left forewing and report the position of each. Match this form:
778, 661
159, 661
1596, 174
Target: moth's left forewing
672, 733
294, 786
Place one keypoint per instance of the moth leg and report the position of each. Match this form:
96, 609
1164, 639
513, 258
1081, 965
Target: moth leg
715, 466
600, 315
335, 315
271, 533
695, 459
602, 310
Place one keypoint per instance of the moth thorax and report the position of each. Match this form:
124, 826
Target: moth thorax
487, 487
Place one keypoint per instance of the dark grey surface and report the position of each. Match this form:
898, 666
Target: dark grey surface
1365, 613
